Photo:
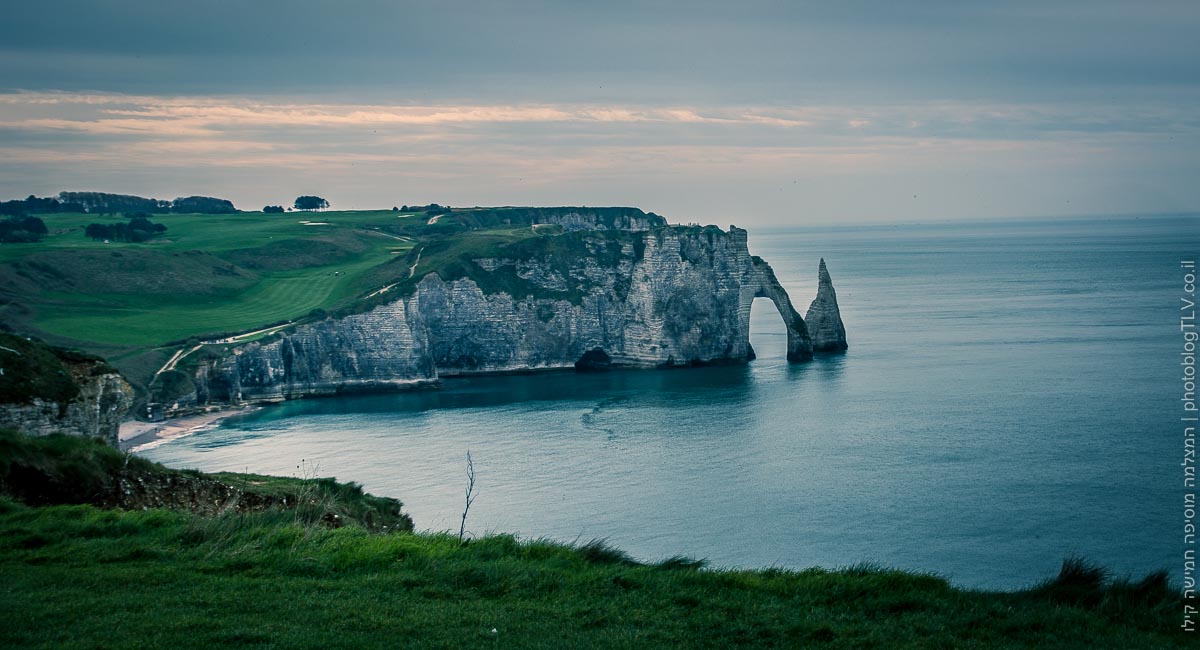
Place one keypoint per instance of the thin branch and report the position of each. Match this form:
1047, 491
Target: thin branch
470, 496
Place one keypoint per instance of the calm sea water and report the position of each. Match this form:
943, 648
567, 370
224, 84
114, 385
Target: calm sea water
1010, 397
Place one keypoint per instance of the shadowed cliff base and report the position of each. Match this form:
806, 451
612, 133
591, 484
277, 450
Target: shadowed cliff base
594, 359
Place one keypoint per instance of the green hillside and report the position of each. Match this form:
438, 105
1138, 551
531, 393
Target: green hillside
210, 276
207, 561
206, 274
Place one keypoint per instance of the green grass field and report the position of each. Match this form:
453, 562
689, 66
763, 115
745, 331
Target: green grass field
211, 232
207, 275
136, 317
211, 276
78, 576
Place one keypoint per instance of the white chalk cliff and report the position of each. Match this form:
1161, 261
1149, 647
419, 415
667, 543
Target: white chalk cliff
586, 299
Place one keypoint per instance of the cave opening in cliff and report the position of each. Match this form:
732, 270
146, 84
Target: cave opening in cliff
594, 359
768, 334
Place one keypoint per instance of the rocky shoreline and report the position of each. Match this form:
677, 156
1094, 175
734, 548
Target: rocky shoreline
135, 436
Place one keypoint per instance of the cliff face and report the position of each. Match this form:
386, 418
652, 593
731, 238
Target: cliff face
46, 390
824, 318
97, 412
666, 298
370, 351
587, 299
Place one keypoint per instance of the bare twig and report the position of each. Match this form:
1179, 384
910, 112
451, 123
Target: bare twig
470, 496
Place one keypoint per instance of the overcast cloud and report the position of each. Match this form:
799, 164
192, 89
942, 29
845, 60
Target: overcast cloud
757, 113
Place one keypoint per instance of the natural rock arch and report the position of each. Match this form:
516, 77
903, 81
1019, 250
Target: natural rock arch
799, 345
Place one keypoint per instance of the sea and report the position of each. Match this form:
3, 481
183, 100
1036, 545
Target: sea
1012, 396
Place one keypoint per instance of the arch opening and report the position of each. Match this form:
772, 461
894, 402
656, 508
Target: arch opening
768, 332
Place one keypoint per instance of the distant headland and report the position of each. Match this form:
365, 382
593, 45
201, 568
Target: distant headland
202, 306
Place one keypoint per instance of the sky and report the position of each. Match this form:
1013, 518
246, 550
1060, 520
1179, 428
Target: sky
754, 113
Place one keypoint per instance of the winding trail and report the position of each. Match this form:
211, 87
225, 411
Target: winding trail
386, 234
181, 353
239, 337
175, 358
379, 291
412, 270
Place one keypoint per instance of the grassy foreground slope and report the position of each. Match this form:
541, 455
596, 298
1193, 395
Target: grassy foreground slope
78, 576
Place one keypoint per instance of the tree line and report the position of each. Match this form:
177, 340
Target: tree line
138, 229
301, 203
431, 209
106, 203
22, 229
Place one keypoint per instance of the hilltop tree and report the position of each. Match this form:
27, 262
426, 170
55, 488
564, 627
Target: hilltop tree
310, 203
202, 205
272, 209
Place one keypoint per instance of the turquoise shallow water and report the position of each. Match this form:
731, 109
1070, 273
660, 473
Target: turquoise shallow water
1011, 396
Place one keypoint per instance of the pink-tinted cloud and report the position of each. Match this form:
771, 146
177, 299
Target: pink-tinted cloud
692, 158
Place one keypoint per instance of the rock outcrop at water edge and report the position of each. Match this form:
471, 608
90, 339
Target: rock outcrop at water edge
823, 318
45, 390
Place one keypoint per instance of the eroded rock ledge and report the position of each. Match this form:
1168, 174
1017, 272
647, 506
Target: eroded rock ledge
44, 390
